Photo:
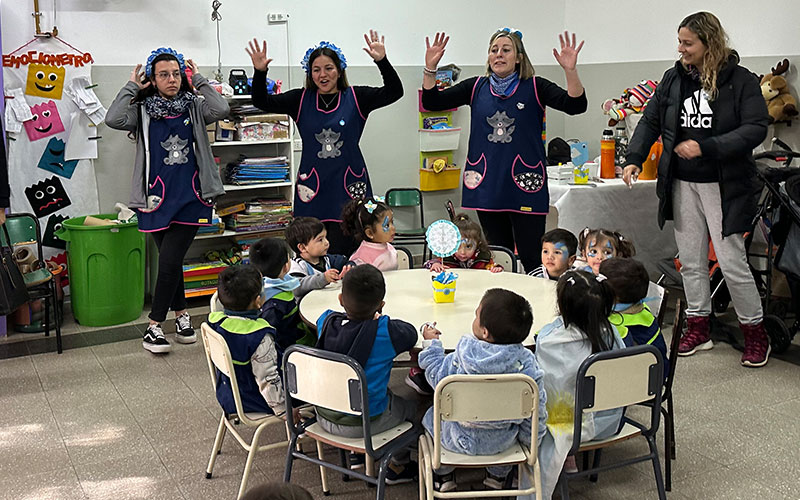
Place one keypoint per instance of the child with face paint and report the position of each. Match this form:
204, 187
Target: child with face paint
632, 317
559, 248
473, 253
371, 221
598, 245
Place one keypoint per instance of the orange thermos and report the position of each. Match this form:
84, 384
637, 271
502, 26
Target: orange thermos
607, 147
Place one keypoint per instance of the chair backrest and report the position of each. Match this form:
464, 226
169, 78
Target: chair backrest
505, 257
485, 398
23, 228
219, 358
214, 304
656, 293
615, 379
677, 331
404, 258
406, 197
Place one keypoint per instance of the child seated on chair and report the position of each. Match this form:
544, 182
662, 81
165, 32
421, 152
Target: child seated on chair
371, 222
559, 249
251, 342
271, 256
585, 302
473, 253
313, 266
373, 340
502, 322
600, 244
632, 317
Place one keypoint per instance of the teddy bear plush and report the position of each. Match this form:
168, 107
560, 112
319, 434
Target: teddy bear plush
632, 100
780, 103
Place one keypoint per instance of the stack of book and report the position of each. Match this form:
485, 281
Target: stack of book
216, 227
262, 170
200, 278
265, 214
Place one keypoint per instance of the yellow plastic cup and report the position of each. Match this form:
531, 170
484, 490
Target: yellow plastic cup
580, 174
444, 293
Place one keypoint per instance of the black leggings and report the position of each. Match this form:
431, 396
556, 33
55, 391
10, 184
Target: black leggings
510, 229
172, 244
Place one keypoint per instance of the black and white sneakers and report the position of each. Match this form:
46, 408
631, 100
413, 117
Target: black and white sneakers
154, 340
184, 333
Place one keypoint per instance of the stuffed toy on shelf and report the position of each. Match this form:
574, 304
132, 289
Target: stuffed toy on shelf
780, 103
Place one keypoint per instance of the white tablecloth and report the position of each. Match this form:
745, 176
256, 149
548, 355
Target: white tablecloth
612, 205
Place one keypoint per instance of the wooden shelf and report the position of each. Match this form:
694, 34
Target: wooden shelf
229, 232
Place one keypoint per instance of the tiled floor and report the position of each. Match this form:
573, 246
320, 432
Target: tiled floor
113, 421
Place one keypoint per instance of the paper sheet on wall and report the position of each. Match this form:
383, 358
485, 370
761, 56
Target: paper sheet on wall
81, 145
43, 181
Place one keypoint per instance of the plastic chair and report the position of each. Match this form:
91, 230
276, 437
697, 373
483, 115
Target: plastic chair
337, 382
480, 398
412, 233
404, 258
669, 411
505, 257
214, 304
660, 296
219, 360
598, 388
24, 229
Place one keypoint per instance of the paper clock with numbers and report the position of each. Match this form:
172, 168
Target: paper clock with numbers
443, 238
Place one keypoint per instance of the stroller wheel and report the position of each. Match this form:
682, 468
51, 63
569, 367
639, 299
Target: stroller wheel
778, 332
778, 308
720, 303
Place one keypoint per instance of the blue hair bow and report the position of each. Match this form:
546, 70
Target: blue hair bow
514, 31
148, 70
325, 45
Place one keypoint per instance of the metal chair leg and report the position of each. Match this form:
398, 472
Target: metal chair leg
325, 489
595, 464
248, 465
662, 495
217, 446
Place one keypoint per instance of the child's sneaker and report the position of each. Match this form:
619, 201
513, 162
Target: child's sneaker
756, 345
495, 482
356, 461
399, 474
184, 333
155, 341
444, 482
416, 380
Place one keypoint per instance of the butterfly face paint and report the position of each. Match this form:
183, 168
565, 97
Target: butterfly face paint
466, 250
385, 225
597, 251
555, 258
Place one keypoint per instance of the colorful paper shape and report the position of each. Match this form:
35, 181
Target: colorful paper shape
45, 81
579, 151
46, 121
443, 238
47, 196
54, 224
52, 159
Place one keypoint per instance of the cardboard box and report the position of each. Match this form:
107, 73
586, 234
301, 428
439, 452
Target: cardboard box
226, 130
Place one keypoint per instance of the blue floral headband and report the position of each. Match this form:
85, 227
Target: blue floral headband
323, 45
148, 70
511, 31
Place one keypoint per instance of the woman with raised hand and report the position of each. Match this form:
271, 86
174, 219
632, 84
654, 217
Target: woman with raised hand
330, 116
504, 175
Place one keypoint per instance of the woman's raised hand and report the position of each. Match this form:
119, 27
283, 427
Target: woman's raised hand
258, 54
137, 75
192, 66
434, 53
568, 57
375, 47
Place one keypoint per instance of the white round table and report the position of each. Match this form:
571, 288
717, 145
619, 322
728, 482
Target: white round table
409, 296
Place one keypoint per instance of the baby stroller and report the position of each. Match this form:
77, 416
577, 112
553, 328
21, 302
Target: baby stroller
778, 219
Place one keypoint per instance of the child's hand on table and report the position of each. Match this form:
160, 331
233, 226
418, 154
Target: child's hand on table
497, 268
429, 331
332, 275
437, 267
345, 269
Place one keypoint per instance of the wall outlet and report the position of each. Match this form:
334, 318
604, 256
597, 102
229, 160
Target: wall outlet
277, 17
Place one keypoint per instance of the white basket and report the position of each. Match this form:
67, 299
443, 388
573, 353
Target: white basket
439, 139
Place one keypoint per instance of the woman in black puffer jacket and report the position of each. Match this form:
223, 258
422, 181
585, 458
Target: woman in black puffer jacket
710, 114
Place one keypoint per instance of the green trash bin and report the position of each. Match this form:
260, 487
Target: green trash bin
106, 270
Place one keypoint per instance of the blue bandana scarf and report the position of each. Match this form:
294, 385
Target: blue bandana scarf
158, 107
504, 86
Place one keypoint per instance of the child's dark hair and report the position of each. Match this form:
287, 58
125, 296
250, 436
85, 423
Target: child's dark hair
269, 255
471, 230
301, 231
151, 89
277, 491
238, 287
559, 235
627, 277
363, 290
507, 316
623, 246
586, 301
357, 217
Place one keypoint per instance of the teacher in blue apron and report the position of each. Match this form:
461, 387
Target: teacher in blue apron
175, 179
505, 175
330, 116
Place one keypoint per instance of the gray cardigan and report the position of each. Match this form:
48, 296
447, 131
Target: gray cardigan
124, 115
